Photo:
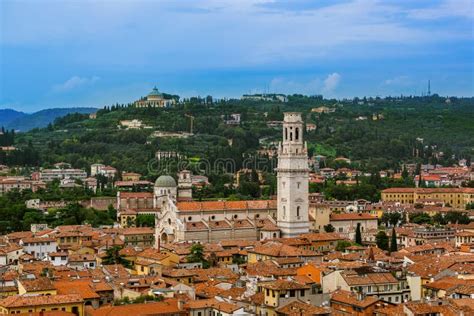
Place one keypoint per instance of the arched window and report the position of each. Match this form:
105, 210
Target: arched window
286, 133
291, 136
298, 211
297, 133
284, 211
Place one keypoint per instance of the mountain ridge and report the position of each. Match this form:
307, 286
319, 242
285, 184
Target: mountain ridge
20, 121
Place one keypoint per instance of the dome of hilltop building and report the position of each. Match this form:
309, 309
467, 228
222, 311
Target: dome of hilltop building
165, 182
154, 93
154, 99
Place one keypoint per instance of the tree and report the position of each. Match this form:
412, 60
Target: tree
358, 235
197, 253
385, 218
393, 243
394, 218
145, 220
342, 245
420, 218
381, 240
329, 228
113, 256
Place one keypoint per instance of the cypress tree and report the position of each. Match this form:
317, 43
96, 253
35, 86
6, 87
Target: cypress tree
393, 242
358, 235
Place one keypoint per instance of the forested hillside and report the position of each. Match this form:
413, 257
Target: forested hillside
373, 133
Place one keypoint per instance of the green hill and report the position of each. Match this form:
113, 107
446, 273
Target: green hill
375, 134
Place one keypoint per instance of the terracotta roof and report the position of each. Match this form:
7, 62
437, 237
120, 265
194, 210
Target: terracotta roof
167, 307
152, 254
277, 249
429, 190
322, 236
298, 308
138, 231
23, 301
40, 284
221, 306
137, 195
37, 239
353, 279
350, 298
352, 216
226, 205
283, 285
80, 287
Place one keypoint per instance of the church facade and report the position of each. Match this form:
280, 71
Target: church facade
181, 219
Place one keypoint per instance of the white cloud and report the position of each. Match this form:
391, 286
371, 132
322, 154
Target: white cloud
331, 82
445, 9
74, 82
290, 86
399, 80
310, 86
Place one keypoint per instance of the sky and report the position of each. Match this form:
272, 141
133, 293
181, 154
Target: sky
56, 53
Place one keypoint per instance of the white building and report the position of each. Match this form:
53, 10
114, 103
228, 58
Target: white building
39, 247
10, 254
51, 174
293, 176
58, 258
346, 223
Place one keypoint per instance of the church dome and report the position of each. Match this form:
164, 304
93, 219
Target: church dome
154, 92
165, 182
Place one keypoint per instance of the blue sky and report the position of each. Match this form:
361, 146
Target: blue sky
95, 53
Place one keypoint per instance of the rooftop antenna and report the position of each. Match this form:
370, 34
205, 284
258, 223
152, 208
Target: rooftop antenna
429, 88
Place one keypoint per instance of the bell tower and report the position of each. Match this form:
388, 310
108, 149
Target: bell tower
292, 175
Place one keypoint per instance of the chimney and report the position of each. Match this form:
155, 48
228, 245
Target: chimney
159, 243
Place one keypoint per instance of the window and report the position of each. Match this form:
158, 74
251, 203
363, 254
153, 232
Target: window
302, 293
292, 293
298, 211
296, 133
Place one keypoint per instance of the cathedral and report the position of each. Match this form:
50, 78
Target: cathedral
179, 218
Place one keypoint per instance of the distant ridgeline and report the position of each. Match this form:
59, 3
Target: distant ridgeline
20, 121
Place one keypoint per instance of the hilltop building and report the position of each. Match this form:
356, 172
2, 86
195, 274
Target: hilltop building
154, 99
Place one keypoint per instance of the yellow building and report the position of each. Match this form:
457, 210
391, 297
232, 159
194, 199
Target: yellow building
281, 292
8, 291
151, 261
139, 236
17, 304
455, 197
128, 218
323, 242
